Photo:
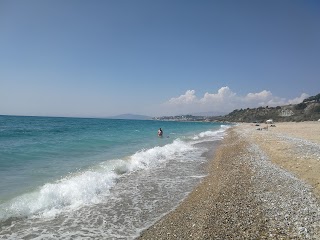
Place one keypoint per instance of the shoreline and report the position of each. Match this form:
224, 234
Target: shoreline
254, 189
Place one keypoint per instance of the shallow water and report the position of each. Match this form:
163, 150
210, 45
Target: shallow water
96, 178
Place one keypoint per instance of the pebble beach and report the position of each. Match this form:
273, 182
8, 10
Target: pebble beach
261, 184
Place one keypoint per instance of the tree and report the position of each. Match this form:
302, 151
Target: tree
300, 106
315, 98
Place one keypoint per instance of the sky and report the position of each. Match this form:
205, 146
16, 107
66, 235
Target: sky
103, 58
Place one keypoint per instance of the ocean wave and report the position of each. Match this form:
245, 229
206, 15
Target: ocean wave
88, 187
151, 157
93, 185
212, 134
65, 194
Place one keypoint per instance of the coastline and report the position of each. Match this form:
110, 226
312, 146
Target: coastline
261, 185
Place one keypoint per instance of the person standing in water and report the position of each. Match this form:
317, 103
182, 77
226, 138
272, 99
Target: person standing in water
160, 132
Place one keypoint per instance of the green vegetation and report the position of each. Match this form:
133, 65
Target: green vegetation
315, 98
308, 110
317, 109
301, 106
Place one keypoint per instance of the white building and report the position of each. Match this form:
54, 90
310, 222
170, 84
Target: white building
286, 113
269, 121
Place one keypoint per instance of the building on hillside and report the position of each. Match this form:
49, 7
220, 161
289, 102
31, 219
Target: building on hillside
286, 113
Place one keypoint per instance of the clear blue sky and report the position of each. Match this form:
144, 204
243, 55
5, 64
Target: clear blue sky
103, 58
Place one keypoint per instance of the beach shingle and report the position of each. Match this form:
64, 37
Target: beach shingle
245, 196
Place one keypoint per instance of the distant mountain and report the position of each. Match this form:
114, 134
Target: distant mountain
131, 116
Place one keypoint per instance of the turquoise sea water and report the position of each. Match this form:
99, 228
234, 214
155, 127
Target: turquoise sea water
96, 178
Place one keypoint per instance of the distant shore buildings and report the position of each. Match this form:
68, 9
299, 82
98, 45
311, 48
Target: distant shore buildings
182, 118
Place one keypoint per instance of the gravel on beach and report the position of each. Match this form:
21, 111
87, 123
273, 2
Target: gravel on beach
245, 196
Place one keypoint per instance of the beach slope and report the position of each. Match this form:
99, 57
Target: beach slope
261, 185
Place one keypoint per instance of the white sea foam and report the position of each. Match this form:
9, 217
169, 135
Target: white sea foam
132, 193
154, 156
88, 187
65, 194
211, 135
93, 186
122, 190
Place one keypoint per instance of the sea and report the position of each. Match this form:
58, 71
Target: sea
90, 178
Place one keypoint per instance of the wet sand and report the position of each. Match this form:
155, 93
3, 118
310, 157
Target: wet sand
261, 185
